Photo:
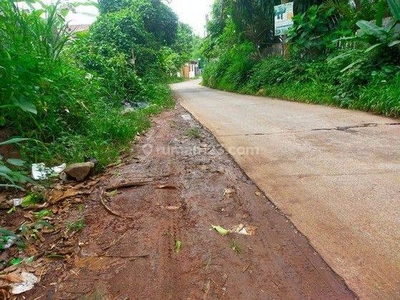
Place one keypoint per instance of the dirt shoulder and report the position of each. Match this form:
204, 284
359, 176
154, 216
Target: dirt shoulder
148, 231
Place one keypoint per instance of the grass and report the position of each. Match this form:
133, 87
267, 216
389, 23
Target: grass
76, 225
79, 223
235, 246
194, 132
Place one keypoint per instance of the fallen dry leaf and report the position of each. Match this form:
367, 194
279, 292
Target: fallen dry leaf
57, 196
228, 192
11, 277
245, 230
4, 293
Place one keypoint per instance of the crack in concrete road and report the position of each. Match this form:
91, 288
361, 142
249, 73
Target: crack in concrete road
338, 128
345, 128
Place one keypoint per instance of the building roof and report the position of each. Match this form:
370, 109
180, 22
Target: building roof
77, 28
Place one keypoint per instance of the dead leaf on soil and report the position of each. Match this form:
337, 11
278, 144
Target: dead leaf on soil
228, 192
57, 195
4, 293
87, 184
27, 283
11, 277
242, 229
16, 279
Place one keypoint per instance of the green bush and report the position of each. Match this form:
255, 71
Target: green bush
232, 69
68, 94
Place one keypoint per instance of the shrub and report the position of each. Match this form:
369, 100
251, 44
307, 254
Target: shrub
233, 68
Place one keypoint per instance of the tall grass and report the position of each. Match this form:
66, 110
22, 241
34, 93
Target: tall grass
47, 95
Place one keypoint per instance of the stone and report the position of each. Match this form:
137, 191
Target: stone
79, 171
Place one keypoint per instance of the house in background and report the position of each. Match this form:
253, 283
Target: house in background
78, 28
191, 69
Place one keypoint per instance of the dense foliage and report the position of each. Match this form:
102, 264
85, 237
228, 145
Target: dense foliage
340, 53
65, 93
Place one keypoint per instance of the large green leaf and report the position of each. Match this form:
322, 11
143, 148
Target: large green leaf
4, 170
14, 141
395, 8
394, 43
368, 29
373, 47
26, 106
16, 162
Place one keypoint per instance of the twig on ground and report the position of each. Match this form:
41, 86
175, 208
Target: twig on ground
127, 185
245, 268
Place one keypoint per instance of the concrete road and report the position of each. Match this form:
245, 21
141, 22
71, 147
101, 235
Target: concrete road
335, 173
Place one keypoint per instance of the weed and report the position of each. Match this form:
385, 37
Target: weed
235, 246
76, 225
79, 223
8, 238
39, 222
178, 246
32, 199
194, 132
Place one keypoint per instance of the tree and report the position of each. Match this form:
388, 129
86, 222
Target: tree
137, 28
157, 17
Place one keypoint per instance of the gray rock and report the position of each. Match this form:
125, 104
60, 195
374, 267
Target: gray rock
79, 171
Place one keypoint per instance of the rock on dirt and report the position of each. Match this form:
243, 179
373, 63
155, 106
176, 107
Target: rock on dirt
79, 171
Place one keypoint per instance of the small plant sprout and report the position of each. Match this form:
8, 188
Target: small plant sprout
178, 246
76, 225
79, 223
235, 246
194, 132
34, 229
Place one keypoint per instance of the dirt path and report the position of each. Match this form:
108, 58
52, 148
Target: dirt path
129, 249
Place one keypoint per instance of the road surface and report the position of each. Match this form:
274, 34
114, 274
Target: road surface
335, 173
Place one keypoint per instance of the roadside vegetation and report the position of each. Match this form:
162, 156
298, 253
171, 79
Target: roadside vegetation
339, 53
67, 96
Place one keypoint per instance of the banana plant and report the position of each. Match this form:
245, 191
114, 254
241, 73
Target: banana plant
379, 36
394, 6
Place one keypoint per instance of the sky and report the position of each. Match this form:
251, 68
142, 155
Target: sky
192, 12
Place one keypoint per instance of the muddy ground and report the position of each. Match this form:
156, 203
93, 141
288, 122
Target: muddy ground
148, 230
